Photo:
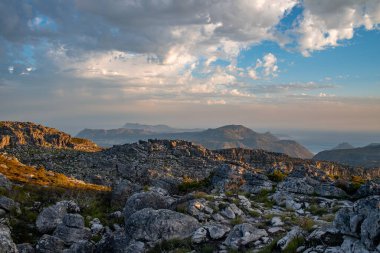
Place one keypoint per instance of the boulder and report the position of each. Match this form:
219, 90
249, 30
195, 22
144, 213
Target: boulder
198, 208
242, 235
72, 229
368, 189
25, 248
296, 185
292, 234
50, 244
329, 236
209, 232
6, 243
151, 199
4, 182
80, 247
255, 183
8, 204
51, 216
329, 190
361, 221
149, 225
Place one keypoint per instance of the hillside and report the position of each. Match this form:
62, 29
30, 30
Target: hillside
367, 157
344, 145
27, 133
231, 136
176, 196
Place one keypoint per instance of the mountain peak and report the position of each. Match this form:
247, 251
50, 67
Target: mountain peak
343, 145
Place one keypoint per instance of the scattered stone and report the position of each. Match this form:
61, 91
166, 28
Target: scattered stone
4, 182
243, 234
276, 222
25, 248
292, 234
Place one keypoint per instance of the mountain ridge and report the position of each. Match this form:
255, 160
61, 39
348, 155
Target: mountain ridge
229, 136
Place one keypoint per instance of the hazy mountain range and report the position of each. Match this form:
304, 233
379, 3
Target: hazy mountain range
230, 136
367, 157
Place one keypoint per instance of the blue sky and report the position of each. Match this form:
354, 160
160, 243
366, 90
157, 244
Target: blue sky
287, 64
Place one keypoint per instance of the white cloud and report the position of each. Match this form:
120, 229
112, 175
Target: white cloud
328, 23
11, 69
265, 67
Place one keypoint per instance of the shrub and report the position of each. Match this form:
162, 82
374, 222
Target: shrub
174, 245
188, 184
237, 220
277, 176
317, 210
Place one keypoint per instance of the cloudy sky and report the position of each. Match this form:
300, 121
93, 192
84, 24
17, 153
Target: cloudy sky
284, 64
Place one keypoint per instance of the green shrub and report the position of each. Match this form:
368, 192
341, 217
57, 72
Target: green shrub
277, 176
236, 221
317, 210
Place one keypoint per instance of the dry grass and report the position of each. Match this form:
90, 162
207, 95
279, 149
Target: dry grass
18, 172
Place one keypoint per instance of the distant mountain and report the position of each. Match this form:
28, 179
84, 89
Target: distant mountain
343, 145
230, 136
158, 128
367, 157
26, 133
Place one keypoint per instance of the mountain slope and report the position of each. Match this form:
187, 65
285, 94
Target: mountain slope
26, 133
230, 136
157, 128
367, 157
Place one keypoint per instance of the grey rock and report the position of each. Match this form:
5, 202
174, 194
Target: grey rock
4, 182
72, 235
276, 222
50, 244
8, 204
353, 245
228, 213
361, 221
6, 243
25, 248
73, 220
329, 236
51, 216
96, 226
292, 234
136, 247
243, 234
217, 231
151, 225
368, 189
200, 235
296, 185
329, 190
198, 208
142, 200
81, 247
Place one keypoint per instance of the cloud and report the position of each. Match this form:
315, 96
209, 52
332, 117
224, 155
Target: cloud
328, 23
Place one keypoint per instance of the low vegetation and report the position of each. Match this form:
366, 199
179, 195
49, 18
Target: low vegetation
277, 176
18, 172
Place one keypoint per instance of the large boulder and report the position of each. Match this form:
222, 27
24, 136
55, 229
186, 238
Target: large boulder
149, 225
25, 248
296, 185
72, 229
6, 243
255, 183
51, 216
156, 199
122, 190
50, 244
361, 221
329, 190
243, 234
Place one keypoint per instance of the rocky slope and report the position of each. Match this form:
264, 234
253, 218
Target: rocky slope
231, 136
367, 157
175, 196
26, 133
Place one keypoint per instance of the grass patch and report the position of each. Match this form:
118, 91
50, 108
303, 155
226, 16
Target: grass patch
188, 184
293, 245
315, 209
263, 197
237, 220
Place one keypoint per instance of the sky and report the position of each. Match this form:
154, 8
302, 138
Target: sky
310, 65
